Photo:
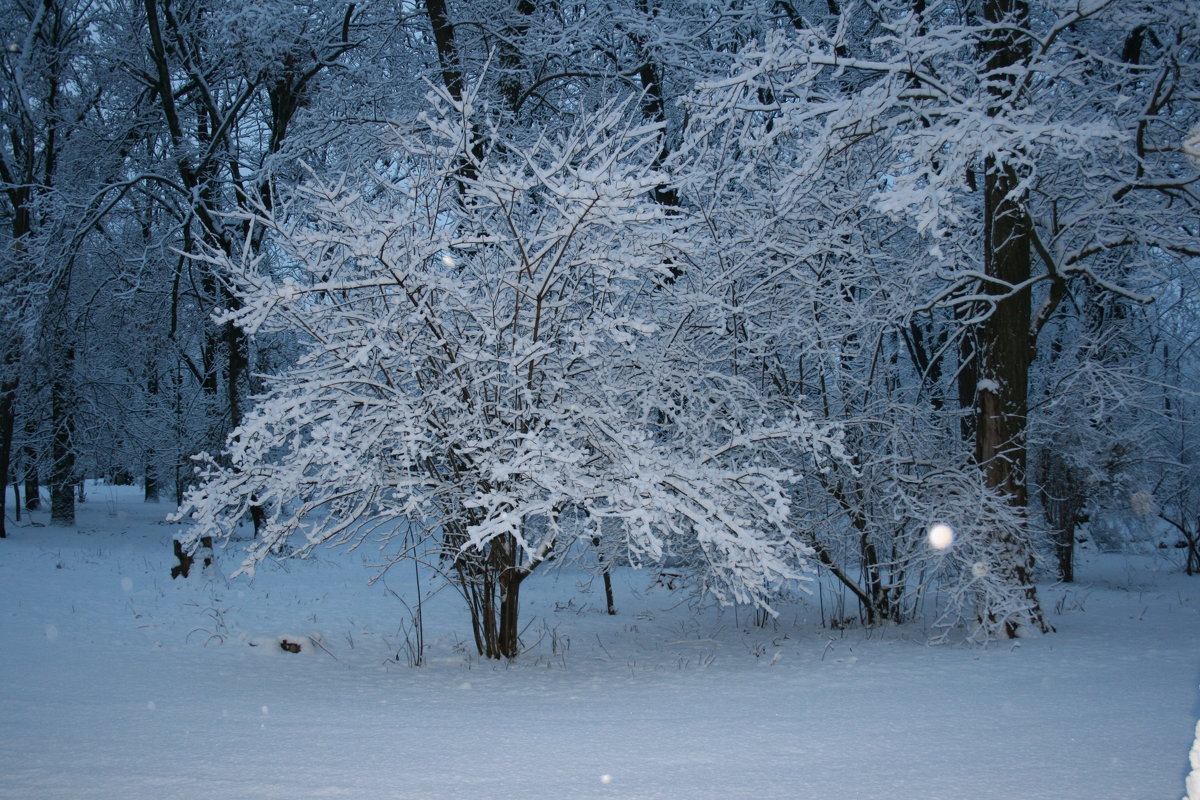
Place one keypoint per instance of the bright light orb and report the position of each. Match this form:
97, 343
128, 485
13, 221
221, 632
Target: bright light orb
941, 536
448, 260
606, 778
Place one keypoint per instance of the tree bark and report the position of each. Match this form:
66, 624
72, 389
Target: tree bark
62, 446
1004, 355
447, 49
1004, 347
1063, 499
491, 582
509, 644
510, 57
151, 485
33, 483
7, 395
609, 605
654, 108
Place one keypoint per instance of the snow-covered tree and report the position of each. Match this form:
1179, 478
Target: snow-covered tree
65, 135
949, 180
495, 360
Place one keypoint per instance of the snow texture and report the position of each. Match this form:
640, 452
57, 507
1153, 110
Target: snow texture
1193, 778
118, 682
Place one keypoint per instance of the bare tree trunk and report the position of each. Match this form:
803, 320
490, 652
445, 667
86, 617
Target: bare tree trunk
62, 446
509, 643
7, 395
33, 483
654, 108
1004, 346
503, 557
491, 582
151, 485
238, 353
447, 48
1193, 549
510, 56
1004, 355
1062, 500
610, 606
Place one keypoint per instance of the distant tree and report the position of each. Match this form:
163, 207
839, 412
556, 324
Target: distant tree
935, 178
225, 85
63, 147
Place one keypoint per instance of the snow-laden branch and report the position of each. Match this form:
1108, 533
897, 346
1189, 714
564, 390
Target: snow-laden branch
501, 366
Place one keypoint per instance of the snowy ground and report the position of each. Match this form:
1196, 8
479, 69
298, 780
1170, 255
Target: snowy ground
117, 682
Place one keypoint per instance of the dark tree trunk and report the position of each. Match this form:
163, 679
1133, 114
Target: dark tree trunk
1062, 500
654, 108
967, 379
610, 606
33, 485
510, 57
62, 445
1004, 355
258, 515
508, 633
1192, 540
491, 582
8, 393
151, 483
237, 351
29, 465
447, 48
1064, 552
880, 608
504, 631
450, 62
1004, 349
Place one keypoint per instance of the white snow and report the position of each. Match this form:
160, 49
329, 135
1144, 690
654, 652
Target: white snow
117, 682
1193, 778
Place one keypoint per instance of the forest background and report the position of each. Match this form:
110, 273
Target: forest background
736, 290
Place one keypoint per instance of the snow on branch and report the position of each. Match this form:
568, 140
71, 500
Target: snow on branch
492, 357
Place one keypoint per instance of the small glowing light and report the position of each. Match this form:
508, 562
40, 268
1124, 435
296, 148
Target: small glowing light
941, 535
606, 778
979, 569
448, 260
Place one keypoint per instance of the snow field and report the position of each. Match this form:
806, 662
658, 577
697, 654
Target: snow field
117, 682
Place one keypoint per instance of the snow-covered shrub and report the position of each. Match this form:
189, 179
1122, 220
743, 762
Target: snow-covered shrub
500, 359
